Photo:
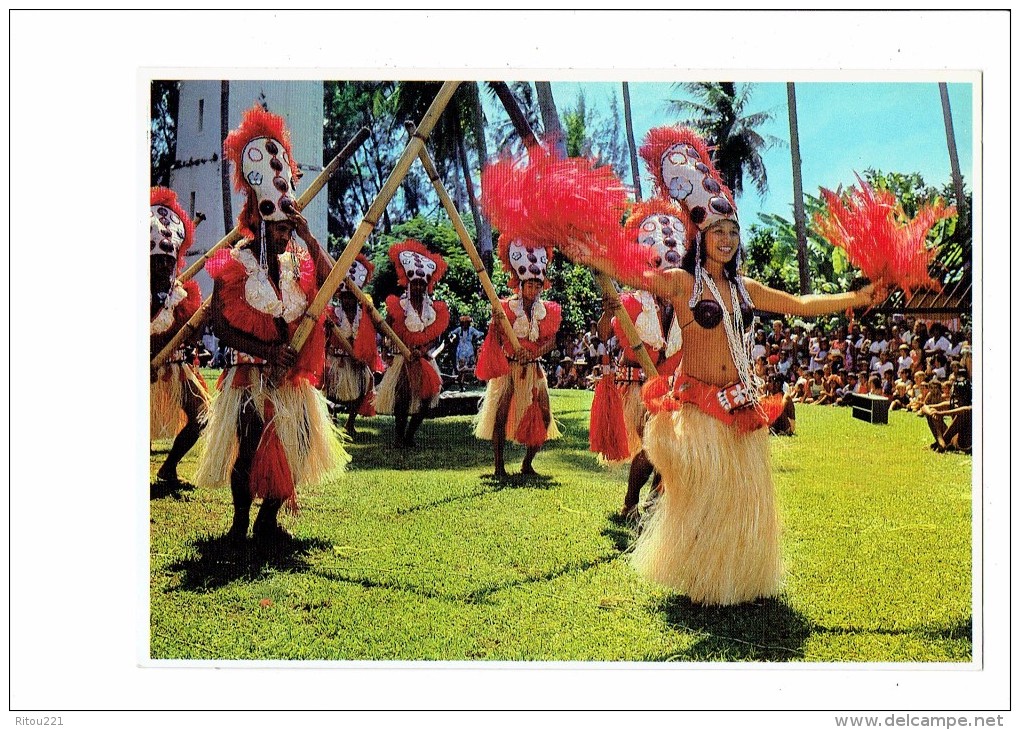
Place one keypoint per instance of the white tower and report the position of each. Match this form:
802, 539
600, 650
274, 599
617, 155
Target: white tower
199, 178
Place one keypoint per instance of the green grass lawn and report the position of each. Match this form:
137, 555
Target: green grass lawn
421, 556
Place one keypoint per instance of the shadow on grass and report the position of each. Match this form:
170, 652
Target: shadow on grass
491, 484
766, 630
769, 630
221, 561
479, 595
177, 491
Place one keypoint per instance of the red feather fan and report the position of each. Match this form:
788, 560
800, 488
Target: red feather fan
531, 431
871, 227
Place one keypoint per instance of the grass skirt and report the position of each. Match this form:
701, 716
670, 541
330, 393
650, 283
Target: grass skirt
313, 445
713, 535
346, 379
525, 383
634, 417
174, 382
386, 398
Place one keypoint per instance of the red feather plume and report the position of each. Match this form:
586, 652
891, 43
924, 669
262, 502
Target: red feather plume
570, 204
871, 227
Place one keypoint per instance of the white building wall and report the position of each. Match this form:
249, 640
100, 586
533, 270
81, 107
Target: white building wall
198, 182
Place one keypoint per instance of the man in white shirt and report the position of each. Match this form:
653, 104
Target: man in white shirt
938, 340
904, 361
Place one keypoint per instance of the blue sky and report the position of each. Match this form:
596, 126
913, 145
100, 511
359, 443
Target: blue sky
844, 127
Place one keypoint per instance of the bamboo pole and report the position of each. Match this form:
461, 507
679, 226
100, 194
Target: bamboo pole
601, 280
377, 319
469, 246
304, 199
198, 319
371, 217
186, 332
626, 323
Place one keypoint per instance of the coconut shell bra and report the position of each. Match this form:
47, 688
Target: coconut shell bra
708, 313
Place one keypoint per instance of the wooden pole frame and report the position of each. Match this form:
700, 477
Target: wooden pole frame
371, 217
198, 318
465, 238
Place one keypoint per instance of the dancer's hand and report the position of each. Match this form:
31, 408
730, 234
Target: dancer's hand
282, 356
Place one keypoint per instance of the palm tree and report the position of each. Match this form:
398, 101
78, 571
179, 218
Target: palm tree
550, 118
798, 192
635, 175
719, 111
460, 121
954, 159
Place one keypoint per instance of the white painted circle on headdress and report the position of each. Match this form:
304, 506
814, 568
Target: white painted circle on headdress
166, 231
528, 262
266, 167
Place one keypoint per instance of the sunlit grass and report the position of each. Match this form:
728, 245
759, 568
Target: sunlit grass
421, 556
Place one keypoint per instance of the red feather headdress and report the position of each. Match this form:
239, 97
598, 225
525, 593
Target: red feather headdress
872, 228
664, 227
168, 198
416, 247
256, 122
679, 162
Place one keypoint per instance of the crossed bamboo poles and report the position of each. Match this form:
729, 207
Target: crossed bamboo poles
197, 320
338, 273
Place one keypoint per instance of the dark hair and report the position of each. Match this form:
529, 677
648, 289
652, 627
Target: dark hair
961, 395
688, 262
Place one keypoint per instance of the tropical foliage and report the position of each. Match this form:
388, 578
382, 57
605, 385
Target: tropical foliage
719, 111
772, 242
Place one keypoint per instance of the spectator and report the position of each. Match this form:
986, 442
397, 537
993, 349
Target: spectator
845, 393
950, 420
900, 398
801, 386
786, 423
759, 349
875, 385
888, 384
938, 340
883, 365
939, 363
904, 360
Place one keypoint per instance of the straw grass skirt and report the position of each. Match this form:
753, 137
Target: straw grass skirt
174, 383
713, 535
524, 384
386, 398
313, 445
635, 416
347, 379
